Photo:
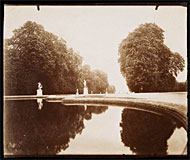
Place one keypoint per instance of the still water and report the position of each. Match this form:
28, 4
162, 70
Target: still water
63, 130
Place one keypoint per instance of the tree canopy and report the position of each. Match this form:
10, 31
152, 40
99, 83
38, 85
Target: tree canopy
146, 63
34, 55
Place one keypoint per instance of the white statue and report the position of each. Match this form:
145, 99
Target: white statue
39, 85
85, 89
39, 90
39, 93
106, 91
84, 83
77, 93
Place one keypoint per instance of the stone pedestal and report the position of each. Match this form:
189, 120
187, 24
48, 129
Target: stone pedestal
39, 92
77, 93
85, 91
106, 91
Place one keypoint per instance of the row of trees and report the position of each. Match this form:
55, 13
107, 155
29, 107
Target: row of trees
146, 63
34, 55
97, 81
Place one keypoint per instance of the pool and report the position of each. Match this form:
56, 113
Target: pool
94, 125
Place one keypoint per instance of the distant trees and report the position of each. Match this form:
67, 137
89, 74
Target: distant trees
111, 89
180, 87
96, 80
146, 62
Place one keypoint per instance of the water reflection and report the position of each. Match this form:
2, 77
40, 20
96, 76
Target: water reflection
40, 103
29, 131
146, 133
94, 110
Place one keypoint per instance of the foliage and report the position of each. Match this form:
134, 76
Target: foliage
146, 133
180, 87
111, 89
96, 80
146, 62
34, 55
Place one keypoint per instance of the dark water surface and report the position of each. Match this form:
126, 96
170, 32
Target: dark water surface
59, 129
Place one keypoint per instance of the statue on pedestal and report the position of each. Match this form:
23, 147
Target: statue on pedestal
77, 93
84, 83
85, 89
39, 90
106, 91
39, 85
39, 93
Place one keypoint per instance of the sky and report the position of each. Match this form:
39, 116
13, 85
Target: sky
95, 32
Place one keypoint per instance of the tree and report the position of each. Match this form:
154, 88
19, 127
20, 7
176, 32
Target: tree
146, 133
180, 87
100, 80
146, 62
111, 89
34, 55
96, 80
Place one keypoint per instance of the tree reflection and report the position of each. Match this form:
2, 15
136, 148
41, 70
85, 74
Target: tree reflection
94, 110
146, 133
29, 131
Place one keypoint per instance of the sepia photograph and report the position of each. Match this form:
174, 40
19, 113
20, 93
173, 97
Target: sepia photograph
95, 80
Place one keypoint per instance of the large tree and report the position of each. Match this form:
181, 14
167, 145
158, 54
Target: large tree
146, 63
34, 55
